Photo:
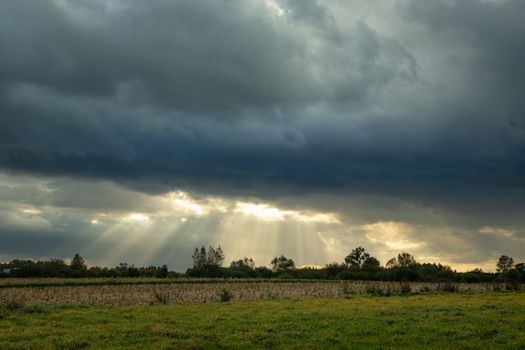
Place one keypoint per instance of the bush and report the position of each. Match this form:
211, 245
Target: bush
225, 295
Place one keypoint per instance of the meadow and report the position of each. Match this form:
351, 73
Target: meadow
494, 320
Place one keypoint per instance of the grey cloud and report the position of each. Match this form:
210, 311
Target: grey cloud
201, 57
393, 114
482, 45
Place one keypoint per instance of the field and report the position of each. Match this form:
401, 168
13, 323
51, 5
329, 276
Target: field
439, 321
144, 291
182, 313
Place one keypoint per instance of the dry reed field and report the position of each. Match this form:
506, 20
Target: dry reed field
209, 292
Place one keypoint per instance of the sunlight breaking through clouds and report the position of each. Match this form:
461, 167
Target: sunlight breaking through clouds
31, 211
288, 118
261, 211
257, 229
183, 202
393, 235
267, 212
137, 217
113, 225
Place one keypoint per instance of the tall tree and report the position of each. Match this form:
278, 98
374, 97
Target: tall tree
78, 265
215, 256
282, 264
243, 263
211, 257
356, 258
391, 263
504, 264
199, 257
405, 260
370, 264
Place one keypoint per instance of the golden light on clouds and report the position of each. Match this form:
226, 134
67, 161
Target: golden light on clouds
497, 231
248, 227
184, 203
393, 235
269, 213
260, 211
137, 217
31, 211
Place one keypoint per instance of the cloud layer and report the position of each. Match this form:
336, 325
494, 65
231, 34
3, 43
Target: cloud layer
409, 113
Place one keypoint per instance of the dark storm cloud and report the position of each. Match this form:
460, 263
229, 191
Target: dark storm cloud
485, 46
246, 98
207, 56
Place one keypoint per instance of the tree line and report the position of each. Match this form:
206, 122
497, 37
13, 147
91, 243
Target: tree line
357, 265
77, 268
208, 262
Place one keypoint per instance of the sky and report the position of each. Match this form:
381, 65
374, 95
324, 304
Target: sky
133, 131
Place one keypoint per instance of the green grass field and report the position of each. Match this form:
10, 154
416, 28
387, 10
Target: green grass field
439, 321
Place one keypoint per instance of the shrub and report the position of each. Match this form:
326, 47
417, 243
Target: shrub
225, 295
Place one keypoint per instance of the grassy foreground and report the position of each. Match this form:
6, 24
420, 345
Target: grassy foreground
440, 321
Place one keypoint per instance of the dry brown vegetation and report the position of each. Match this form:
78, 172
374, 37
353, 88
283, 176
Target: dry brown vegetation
208, 292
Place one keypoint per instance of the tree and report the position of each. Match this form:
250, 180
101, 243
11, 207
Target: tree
356, 258
195, 257
520, 268
215, 256
391, 263
263, 272
406, 260
163, 271
282, 264
77, 265
371, 264
504, 264
243, 264
212, 257
199, 257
